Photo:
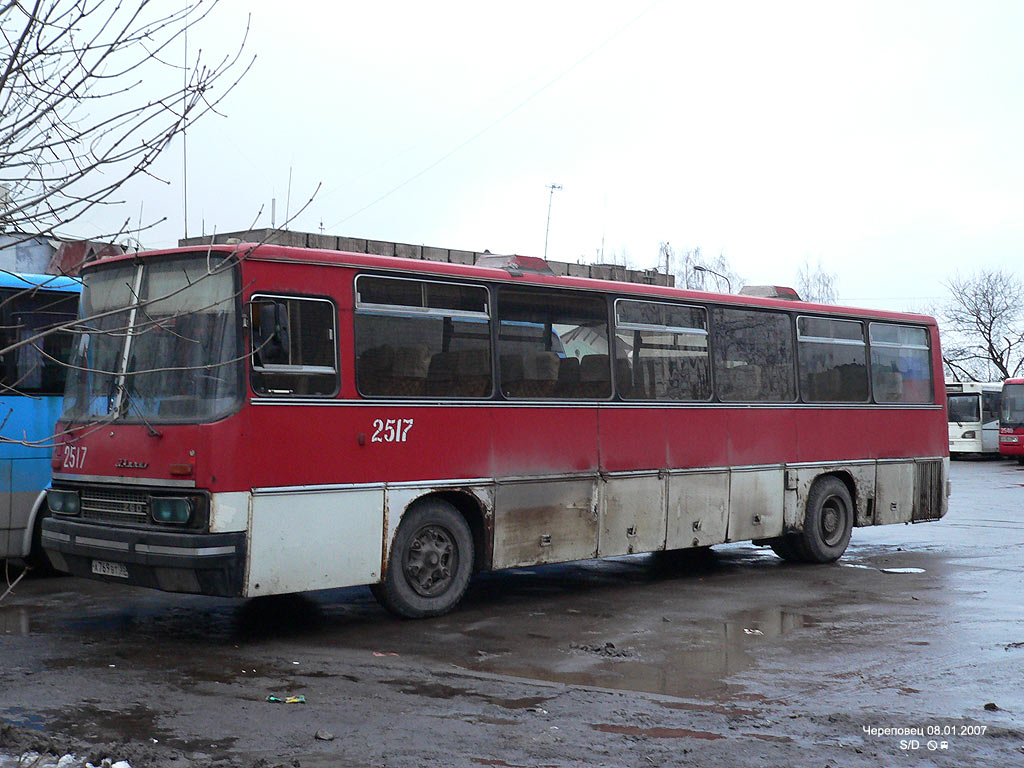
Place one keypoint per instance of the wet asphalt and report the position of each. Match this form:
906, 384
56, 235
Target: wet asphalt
909, 651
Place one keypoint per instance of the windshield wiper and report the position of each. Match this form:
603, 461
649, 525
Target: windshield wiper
138, 409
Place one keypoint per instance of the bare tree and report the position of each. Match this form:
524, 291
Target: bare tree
816, 285
685, 267
983, 326
90, 94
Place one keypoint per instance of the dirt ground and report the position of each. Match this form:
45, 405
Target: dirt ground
721, 659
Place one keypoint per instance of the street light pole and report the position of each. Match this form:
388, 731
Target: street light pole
547, 229
702, 268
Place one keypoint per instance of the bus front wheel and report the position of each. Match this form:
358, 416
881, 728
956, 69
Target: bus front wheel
430, 563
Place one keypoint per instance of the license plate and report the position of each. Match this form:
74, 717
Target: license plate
106, 568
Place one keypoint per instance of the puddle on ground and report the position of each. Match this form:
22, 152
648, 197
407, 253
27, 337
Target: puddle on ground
23, 717
440, 691
639, 624
902, 570
657, 732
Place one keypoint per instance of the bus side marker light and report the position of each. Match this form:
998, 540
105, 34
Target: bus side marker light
181, 470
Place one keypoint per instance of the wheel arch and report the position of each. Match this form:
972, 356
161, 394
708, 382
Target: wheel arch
28, 550
859, 480
846, 478
474, 512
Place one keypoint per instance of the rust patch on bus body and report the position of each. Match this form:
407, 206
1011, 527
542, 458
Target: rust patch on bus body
385, 544
546, 521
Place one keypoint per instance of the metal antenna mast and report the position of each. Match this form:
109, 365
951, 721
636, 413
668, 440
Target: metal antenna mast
551, 195
184, 131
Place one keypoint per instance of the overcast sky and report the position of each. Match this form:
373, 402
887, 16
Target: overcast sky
882, 138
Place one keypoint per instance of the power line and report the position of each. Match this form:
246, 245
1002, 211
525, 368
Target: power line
504, 116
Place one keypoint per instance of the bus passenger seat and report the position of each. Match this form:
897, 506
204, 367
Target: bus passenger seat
540, 374
512, 375
594, 376
746, 382
409, 373
568, 384
441, 374
375, 369
888, 386
473, 373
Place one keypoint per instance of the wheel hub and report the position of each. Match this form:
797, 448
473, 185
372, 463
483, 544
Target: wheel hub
431, 560
833, 512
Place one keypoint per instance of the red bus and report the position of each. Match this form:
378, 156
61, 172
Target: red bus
1011, 420
255, 419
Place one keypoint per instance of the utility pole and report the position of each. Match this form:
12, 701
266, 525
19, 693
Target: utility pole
547, 229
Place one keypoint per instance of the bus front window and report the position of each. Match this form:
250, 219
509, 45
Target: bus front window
1012, 413
964, 408
175, 358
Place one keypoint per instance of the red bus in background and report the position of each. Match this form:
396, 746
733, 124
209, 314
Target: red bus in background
1011, 420
257, 419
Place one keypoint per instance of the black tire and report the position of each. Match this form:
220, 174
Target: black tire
828, 521
430, 564
786, 547
1020, 459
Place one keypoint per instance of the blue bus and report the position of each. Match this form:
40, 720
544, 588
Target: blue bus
31, 390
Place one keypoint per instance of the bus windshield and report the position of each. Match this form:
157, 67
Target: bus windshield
170, 356
965, 407
1012, 414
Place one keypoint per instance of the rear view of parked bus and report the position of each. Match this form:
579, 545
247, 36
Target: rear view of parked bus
281, 419
973, 409
1011, 420
31, 386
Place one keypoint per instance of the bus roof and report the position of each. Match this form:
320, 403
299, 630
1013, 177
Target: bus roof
24, 281
293, 254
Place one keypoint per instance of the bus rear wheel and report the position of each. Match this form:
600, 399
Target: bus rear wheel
430, 564
828, 521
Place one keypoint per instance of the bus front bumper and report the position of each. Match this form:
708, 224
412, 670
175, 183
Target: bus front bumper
198, 563
1011, 445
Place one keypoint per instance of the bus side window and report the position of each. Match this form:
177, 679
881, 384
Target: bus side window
991, 402
540, 331
36, 368
754, 359
833, 360
294, 347
417, 338
901, 363
661, 351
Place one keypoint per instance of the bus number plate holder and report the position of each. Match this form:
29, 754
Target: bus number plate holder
106, 568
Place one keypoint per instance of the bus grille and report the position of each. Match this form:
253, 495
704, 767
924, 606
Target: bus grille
929, 491
115, 506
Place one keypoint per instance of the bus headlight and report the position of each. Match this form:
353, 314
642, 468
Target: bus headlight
1009, 439
969, 435
170, 510
63, 502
